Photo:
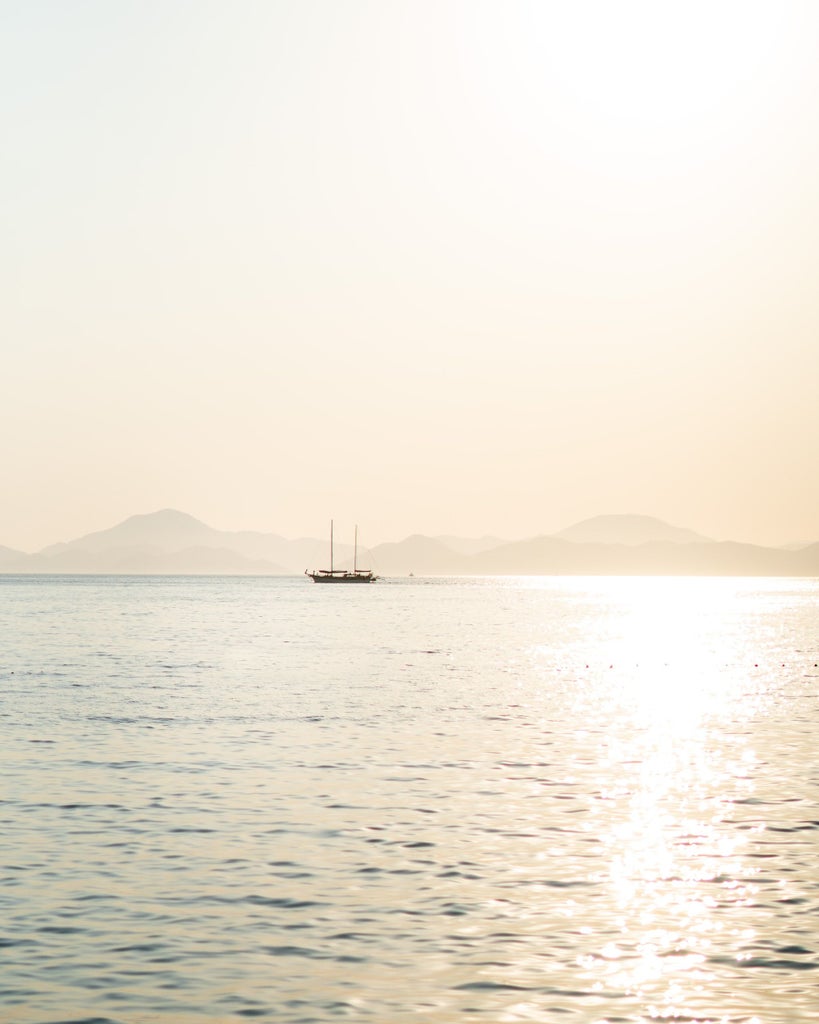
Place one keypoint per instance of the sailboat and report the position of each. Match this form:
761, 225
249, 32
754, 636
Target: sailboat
333, 575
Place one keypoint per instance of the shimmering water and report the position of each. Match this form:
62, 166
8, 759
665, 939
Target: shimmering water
465, 800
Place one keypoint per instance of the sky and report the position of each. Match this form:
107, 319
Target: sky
429, 266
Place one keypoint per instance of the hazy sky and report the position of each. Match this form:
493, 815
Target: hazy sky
424, 265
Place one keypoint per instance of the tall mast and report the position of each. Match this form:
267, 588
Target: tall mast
331, 545
355, 551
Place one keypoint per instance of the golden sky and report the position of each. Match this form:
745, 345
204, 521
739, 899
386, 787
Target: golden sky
436, 266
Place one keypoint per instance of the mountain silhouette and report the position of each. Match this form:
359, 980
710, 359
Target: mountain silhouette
141, 541
173, 542
627, 529
167, 530
9, 558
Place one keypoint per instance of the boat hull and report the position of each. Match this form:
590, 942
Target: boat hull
342, 577
333, 575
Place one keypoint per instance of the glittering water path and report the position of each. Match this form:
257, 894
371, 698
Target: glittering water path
466, 800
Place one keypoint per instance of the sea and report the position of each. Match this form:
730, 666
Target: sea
571, 800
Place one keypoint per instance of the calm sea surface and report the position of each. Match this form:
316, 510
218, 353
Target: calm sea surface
493, 800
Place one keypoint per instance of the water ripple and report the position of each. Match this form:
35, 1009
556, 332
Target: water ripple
572, 825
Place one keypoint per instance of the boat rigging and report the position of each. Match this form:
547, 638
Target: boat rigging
333, 575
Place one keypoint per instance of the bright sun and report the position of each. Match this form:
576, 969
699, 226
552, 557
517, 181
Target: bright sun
618, 72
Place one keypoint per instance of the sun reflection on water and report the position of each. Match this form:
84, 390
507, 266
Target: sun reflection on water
640, 880
669, 774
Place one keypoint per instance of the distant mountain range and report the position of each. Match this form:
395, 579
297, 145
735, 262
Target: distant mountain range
171, 542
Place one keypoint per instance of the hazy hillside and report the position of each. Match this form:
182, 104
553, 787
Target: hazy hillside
553, 556
9, 558
809, 557
631, 530
167, 530
423, 556
548, 555
141, 541
470, 545
175, 543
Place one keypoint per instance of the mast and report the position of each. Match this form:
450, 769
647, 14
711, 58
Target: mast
331, 545
355, 552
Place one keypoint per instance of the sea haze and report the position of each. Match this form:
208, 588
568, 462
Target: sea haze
174, 543
452, 800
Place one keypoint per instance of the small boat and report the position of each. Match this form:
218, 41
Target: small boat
333, 575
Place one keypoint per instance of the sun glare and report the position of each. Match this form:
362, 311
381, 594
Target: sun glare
671, 640
645, 78
649, 61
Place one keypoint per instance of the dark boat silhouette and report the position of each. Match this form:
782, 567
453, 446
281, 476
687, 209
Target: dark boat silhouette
333, 575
